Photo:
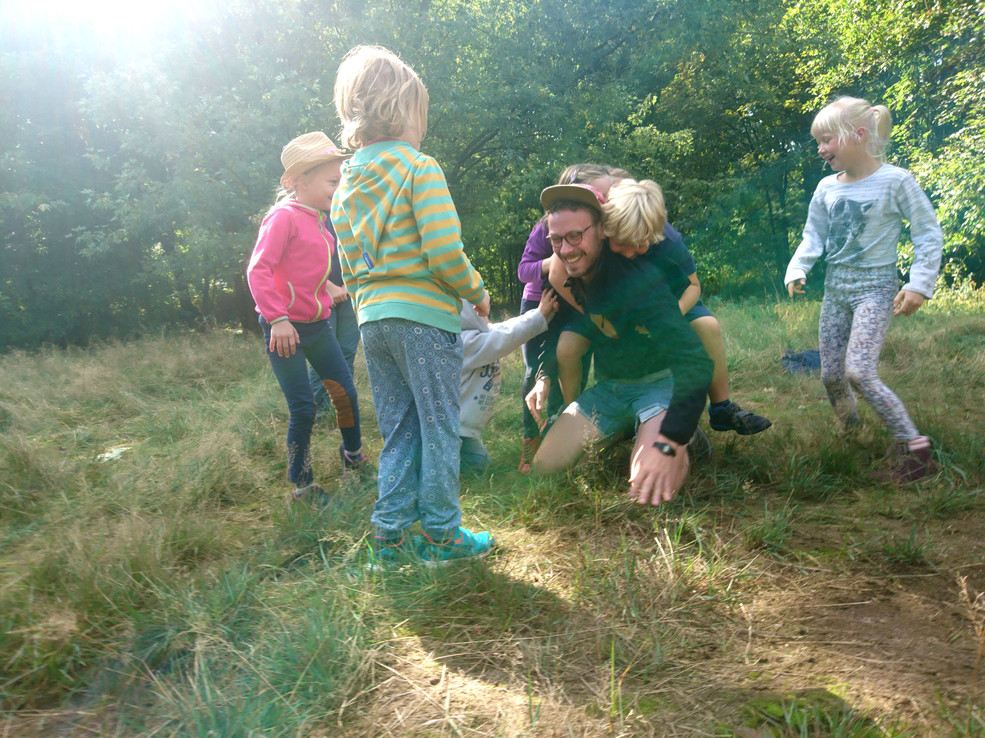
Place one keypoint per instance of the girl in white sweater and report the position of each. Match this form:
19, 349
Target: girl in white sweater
855, 221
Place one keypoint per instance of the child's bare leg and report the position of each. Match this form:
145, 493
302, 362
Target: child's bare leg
565, 442
724, 414
571, 348
710, 332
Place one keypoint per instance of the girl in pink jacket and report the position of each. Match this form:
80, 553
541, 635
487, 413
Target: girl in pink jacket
288, 277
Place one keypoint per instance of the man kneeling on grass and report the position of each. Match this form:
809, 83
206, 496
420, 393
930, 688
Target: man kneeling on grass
653, 372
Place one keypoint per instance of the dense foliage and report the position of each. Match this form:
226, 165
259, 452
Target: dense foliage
133, 173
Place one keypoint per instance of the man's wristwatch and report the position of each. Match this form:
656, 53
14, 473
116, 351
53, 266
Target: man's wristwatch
665, 448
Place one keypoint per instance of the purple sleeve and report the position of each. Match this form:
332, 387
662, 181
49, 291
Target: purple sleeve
537, 249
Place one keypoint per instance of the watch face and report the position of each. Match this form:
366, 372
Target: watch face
665, 448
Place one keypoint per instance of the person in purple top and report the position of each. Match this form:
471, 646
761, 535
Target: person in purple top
532, 271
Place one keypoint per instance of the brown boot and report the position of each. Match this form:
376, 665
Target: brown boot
906, 465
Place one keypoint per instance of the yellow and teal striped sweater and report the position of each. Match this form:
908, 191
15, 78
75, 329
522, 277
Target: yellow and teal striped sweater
401, 240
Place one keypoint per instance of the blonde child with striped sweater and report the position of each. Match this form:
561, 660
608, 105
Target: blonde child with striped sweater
403, 263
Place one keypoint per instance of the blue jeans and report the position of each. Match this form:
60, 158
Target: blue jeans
415, 371
475, 458
318, 346
342, 321
531, 360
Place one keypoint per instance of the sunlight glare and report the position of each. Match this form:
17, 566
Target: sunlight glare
112, 23
112, 15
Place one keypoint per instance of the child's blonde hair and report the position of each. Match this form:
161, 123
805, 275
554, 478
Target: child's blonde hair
377, 95
634, 213
846, 115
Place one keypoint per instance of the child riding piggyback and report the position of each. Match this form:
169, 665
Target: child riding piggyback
403, 262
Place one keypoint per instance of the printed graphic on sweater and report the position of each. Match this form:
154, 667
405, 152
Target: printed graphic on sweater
847, 223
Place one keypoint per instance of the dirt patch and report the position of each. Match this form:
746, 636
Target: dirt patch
893, 639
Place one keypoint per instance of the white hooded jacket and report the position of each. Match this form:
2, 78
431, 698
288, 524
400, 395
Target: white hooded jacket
484, 345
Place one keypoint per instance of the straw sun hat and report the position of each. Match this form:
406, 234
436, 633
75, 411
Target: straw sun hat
307, 152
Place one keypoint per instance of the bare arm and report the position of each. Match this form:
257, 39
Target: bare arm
691, 295
558, 276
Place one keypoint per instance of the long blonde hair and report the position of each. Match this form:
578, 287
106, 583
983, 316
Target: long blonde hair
846, 115
377, 95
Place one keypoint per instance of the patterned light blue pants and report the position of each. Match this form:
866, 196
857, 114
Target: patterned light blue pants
415, 371
855, 316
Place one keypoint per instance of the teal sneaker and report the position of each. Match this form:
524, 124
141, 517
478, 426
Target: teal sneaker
385, 555
463, 546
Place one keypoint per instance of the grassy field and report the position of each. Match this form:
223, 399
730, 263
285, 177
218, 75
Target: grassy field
155, 581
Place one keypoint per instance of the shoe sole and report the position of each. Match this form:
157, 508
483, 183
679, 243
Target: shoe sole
740, 431
458, 559
394, 566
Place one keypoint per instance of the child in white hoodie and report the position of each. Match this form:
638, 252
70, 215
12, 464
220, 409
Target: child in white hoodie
485, 344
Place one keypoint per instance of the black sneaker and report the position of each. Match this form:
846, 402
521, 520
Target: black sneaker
731, 417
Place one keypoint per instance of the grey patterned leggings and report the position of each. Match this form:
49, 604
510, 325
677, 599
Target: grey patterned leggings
855, 315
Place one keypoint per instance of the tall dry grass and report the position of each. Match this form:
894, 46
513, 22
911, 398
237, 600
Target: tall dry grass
154, 579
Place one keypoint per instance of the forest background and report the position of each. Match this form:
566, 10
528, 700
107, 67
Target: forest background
135, 165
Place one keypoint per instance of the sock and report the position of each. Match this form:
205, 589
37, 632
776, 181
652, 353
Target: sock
719, 405
918, 443
352, 455
298, 491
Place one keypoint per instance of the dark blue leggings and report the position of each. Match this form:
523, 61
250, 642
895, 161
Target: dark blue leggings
532, 350
319, 347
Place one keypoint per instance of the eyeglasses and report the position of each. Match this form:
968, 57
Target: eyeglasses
572, 237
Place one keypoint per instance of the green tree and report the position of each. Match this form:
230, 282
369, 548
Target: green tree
925, 61
167, 146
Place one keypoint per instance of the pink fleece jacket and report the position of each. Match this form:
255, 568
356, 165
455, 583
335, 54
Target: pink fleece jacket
288, 271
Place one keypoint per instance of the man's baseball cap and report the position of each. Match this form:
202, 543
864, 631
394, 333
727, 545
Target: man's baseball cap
582, 193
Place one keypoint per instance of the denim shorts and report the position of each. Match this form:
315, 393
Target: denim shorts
698, 311
617, 408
